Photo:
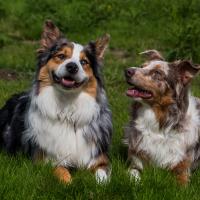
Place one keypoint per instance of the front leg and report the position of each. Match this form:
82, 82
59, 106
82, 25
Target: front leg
137, 159
182, 171
136, 166
60, 172
63, 174
100, 167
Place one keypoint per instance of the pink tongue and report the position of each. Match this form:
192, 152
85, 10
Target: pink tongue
67, 82
132, 92
136, 93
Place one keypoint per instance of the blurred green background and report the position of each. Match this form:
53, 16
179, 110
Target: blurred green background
173, 27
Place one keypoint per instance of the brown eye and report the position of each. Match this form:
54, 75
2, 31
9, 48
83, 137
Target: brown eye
61, 56
83, 62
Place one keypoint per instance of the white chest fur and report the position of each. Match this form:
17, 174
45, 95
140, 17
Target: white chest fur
57, 124
167, 147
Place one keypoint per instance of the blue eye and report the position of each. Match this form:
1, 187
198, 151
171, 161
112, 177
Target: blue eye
83, 62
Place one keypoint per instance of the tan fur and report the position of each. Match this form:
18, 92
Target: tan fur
63, 174
91, 86
60, 172
161, 109
45, 72
160, 102
67, 51
44, 78
100, 163
158, 66
181, 171
145, 81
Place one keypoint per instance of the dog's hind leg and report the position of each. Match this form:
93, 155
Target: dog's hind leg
100, 167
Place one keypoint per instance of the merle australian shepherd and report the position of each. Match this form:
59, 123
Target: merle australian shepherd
65, 117
165, 120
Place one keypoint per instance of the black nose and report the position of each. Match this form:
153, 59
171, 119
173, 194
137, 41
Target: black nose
72, 68
129, 72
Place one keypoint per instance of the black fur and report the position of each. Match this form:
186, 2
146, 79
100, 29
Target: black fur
12, 122
13, 113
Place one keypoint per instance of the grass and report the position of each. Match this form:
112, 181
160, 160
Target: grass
170, 26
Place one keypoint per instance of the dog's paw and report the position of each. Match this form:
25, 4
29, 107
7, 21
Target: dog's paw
135, 174
101, 176
63, 175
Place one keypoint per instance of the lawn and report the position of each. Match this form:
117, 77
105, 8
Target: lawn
173, 27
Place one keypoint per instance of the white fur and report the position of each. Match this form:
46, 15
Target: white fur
167, 147
163, 66
101, 176
136, 163
75, 58
135, 174
57, 122
76, 51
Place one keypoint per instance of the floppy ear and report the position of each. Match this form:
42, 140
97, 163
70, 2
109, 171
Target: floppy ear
49, 36
100, 45
187, 71
152, 55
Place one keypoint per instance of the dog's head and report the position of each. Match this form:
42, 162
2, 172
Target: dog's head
66, 65
160, 82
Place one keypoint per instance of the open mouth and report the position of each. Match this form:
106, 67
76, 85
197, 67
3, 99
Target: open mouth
137, 92
66, 82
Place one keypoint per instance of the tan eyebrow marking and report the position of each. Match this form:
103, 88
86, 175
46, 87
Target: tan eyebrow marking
158, 66
67, 50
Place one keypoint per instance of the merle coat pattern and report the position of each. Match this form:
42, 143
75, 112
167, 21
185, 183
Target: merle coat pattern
164, 129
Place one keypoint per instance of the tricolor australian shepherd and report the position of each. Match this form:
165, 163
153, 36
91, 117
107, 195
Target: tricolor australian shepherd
65, 117
165, 120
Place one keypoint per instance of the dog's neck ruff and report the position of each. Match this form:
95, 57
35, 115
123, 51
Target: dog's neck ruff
167, 147
77, 108
59, 123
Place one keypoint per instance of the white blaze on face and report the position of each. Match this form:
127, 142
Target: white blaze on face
76, 51
62, 71
77, 48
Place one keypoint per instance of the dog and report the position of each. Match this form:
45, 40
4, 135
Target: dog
65, 117
164, 129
